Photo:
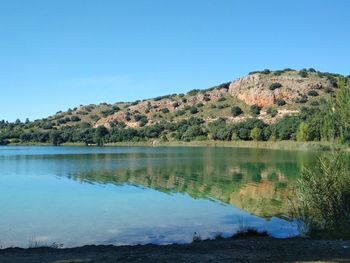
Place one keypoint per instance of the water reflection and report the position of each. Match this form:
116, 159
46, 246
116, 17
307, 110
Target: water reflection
81, 195
257, 181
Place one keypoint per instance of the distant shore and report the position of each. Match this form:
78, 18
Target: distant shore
277, 145
252, 249
280, 145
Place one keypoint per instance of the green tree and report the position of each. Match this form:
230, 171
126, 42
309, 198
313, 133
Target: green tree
342, 110
255, 134
336, 121
302, 132
100, 133
56, 138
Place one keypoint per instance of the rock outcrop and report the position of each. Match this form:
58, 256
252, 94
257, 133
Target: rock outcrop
255, 88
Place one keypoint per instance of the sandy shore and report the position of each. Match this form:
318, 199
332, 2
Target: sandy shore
253, 249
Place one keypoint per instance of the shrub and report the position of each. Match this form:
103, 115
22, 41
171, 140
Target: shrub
236, 111
200, 105
223, 106
175, 104
116, 108
280, 102
193, 92
143, 121
266, 71
75, 118
312, 93
272, 112
303, 73
206, 97
165, 110
193, 110
302, 99
328, 90
184, 100
222, 99
314, 103
180, 112
255, 109
323, 198
275, 85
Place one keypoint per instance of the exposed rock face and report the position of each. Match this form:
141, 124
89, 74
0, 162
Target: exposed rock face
255, 89
248, 90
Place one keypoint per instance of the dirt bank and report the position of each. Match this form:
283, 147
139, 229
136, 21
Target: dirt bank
255, 249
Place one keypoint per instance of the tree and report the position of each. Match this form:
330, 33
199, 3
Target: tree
255, 134
342, 110
302, 132
56, 138
336, 121
285, 129
100, 133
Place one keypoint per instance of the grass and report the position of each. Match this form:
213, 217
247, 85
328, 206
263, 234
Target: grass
280, 145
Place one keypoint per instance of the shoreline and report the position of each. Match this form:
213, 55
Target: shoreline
248, 249
274, 145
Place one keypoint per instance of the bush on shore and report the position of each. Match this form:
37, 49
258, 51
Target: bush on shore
323, 198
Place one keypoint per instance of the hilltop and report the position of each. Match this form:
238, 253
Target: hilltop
259, 100
286, 91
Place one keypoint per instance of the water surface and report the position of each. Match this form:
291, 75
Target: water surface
135, 195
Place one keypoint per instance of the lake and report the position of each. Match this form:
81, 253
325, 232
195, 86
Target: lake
77, 196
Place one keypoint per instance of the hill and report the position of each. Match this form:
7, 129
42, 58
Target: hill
259, 100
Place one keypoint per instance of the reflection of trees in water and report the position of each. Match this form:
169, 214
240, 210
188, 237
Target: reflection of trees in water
256, 183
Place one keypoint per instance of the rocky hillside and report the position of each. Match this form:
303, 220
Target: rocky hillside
274, 94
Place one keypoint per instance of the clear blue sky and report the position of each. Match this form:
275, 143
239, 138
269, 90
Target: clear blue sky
61, 53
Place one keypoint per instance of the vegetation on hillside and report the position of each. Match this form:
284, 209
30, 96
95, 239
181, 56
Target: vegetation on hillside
318, 118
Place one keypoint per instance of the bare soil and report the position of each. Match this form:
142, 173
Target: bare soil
251, 249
